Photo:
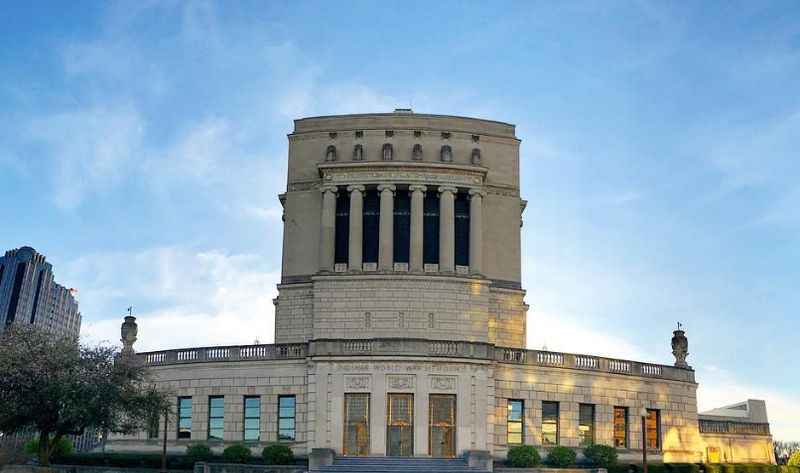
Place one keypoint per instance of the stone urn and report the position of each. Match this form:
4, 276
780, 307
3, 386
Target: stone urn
680, 348
128, 331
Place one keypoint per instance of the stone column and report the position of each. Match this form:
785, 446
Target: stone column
476, 231
327, 231
356, 227
447, 248
417, 219
386, 228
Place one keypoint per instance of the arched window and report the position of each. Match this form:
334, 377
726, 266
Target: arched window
330, 153
416, 153
358, 153
388, 152
476, 156
447, 154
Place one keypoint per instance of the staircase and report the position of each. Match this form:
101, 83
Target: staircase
397, 464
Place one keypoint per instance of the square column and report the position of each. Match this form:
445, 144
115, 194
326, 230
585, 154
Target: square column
327, 232
447, 222
386, 228
417, 223
476, 231
356, 227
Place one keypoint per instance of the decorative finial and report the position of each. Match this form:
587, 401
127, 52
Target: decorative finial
680, 347
128, 331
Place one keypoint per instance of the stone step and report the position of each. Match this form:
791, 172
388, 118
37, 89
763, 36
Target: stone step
397, 465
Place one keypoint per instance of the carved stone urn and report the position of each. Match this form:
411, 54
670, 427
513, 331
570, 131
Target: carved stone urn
680, 348
128, 331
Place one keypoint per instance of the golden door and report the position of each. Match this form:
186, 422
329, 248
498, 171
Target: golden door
400, 425
442, 436
356, 424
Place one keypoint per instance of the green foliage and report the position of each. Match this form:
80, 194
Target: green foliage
523, 456
199, 452
601, 456
58, 387
561, 457
794, 460
59, 449
128, 460
682, 467
236, 453
277, 454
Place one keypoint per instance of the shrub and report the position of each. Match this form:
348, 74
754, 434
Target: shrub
682, 468
794, 460
60, 450
128, 460
277, 454
561, 457
524, 456
602, 456
236, 453
198, 452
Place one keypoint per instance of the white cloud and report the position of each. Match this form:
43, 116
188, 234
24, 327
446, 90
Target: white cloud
191, 298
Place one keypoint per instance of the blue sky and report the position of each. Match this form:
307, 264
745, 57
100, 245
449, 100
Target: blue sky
143, 146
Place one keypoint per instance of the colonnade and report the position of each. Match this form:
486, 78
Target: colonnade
447, 195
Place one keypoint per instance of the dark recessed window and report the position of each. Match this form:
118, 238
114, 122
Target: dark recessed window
332, 135
402, 226
359, 134
342, 244
152, 424
462, 229
445, 135
515, 421
286, 418
252, 418
417, 133
586, 424
184, 417
216, 417
389, 133
430, 228
549, 423
371, 226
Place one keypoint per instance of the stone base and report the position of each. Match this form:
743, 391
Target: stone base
479, 459
320, 457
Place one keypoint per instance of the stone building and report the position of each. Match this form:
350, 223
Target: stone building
401, 321
30, 295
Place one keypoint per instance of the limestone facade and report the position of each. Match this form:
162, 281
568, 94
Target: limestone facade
400, 320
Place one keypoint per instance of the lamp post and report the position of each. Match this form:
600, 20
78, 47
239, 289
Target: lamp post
643, 414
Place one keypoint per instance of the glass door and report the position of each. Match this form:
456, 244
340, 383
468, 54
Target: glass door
400, 425
356, 424
442, 425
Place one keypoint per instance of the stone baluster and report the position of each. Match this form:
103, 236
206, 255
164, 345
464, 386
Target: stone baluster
447, 249
327, 233
417, 224
476, 231
386, 228
356, 226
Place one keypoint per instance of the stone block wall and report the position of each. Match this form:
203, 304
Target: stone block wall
507, 317
676, 400
734, 448
294, 312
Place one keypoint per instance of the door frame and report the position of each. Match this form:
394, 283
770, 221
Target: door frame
454, 397
388, 418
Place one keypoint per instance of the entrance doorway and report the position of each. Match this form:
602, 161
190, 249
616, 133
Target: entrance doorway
356, 424
442, 425
400, 425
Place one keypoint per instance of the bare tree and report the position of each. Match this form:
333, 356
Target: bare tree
59, 387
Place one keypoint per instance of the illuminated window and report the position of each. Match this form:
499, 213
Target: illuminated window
515, 422
549, 423
184, 417
216, 417
286, 416
586, 424
252, 418
621, 427
653, 430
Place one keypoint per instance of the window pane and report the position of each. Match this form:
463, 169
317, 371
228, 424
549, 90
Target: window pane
549, 423
251, 435
515, 410
286, 435
286, 424
286, 401
586, 424
515, 427
653, 434
514, 438
621, 427
251, 423
215, 423
286, 412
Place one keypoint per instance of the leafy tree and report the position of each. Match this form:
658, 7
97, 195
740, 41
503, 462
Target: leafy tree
59, 387
794, 460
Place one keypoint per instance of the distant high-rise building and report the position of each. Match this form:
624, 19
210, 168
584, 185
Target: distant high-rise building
29, 294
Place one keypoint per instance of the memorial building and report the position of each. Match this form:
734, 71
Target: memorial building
400, 322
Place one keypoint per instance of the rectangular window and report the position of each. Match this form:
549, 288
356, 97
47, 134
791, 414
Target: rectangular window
184, 418
549, 423
621, 427
462, 229
216, 417
152, 424
286, 417
342, 228
430, 228
371, 226
252, 418
586, 424
516, 409
653, 430
402, 226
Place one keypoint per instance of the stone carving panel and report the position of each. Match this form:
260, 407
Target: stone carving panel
443, 383
401, 382
361, 382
